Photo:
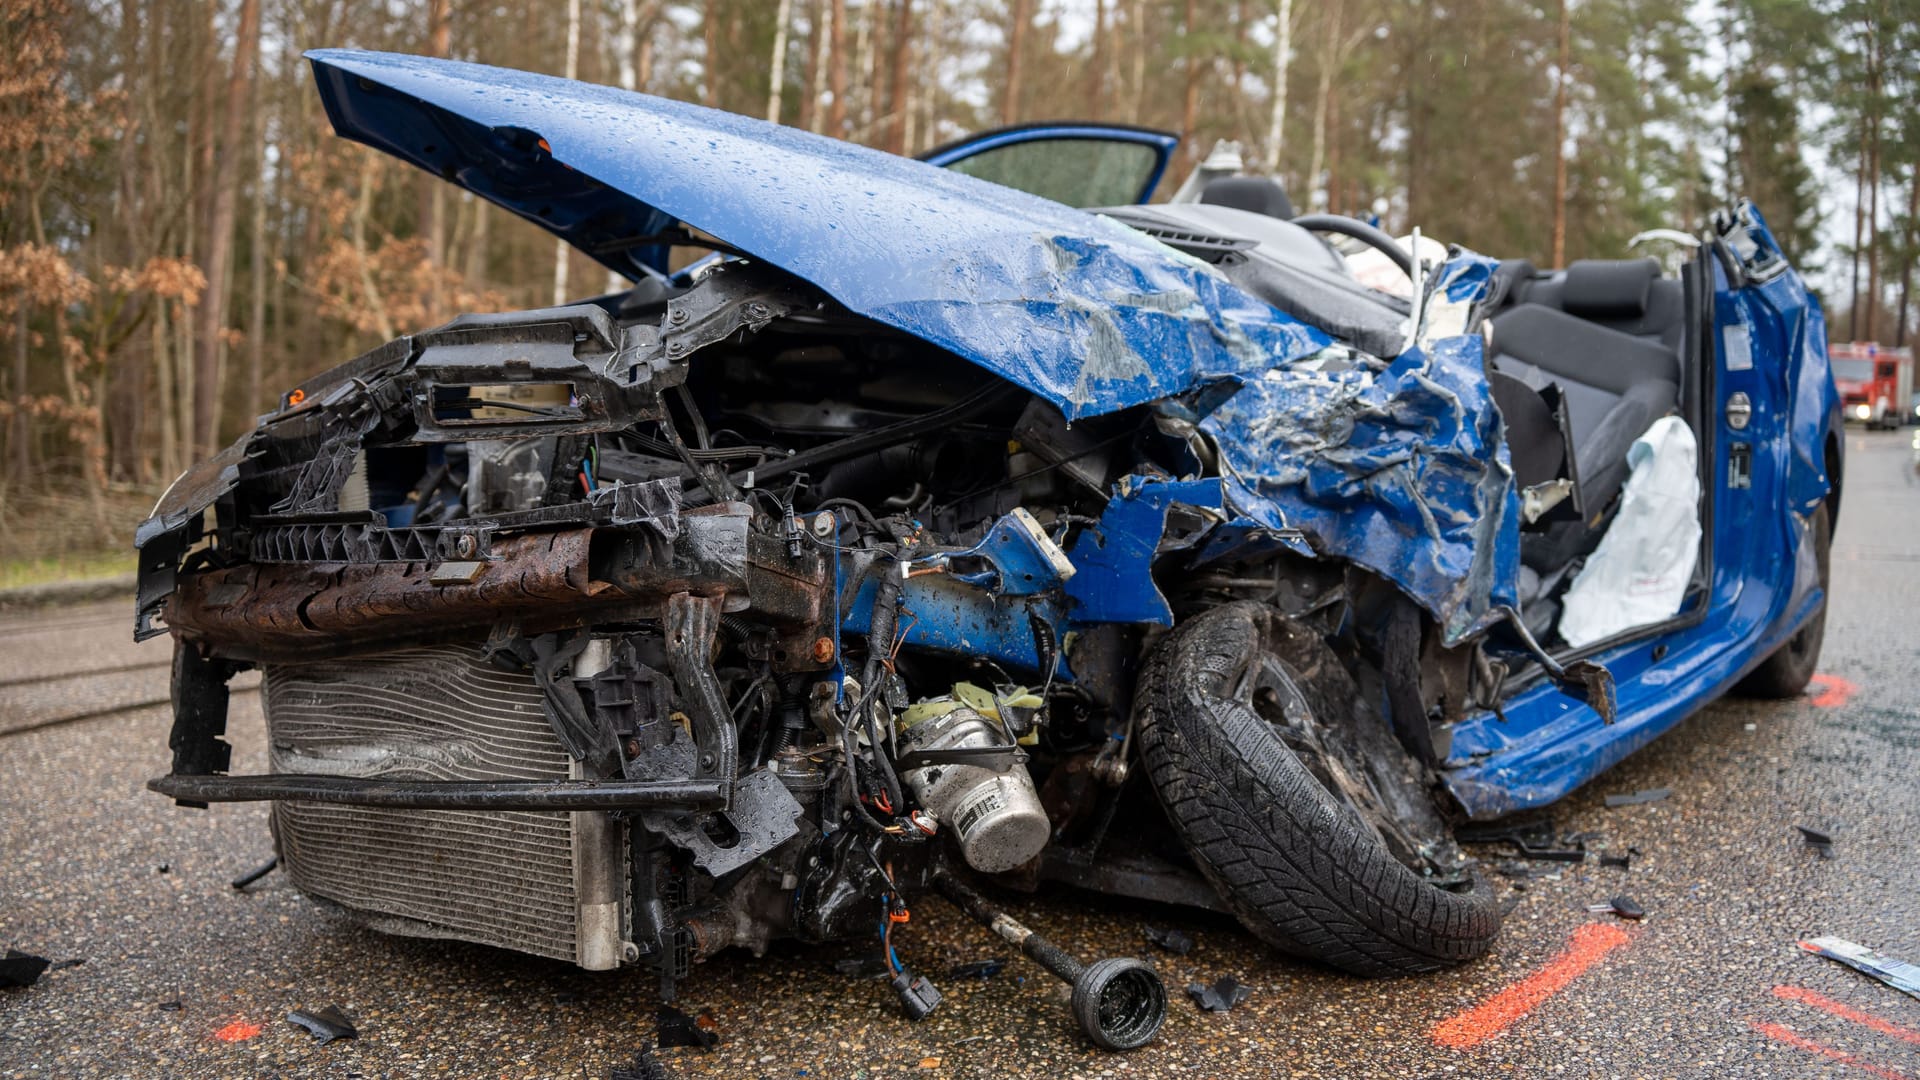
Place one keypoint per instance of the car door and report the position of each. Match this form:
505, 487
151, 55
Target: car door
1081, 165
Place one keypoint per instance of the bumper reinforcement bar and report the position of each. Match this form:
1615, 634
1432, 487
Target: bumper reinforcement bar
447, 794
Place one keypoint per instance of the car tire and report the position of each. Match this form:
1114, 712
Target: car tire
1786, 673
1299, 866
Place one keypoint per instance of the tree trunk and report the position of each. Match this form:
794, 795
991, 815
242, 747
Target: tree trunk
710, 54
1190, 100
1330, 57
433, 191
837, 70
1560, 136
899, 105
1139, 88
1094, 95
1910, 239
863, 71
1872, 321
1020, 15
1859, 233
815, 73
562, 251
777, 77
1282, 63
22, 463
219, 251
257, 265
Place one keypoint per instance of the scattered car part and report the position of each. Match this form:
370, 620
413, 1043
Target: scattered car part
1623, 906
1118, 1002
1173, 939
325, 1025
1219, 996
644, 1067
1819, 841
917, 995
976, 969
18, 969
676, 1029
240, 883
1638, 797
1899, 974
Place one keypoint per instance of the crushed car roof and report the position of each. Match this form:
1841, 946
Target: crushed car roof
1073, 307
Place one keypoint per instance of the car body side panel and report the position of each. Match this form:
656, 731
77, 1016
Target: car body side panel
1076, 308
1550, 743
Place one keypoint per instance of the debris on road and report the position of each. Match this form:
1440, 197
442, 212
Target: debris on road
1817, 840
644, 1067
171, 1006
1534, 840
1224, 994
1899, 974
976, 969
1624, 862
1624, 906
869, 966
325, 1024
677, 1029
20, 969
238, 1031
255, 874
1173, 939
62, 965
1638, 797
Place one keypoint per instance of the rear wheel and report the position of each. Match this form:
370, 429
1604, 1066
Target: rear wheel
1786, 673
1298, 805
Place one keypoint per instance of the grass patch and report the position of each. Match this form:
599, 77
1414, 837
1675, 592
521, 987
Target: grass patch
15, 573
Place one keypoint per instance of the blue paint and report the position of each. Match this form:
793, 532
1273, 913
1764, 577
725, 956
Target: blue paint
1075, 308
1400, 467
1115, 558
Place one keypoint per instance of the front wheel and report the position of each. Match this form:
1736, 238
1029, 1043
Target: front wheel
1238, 706
1786, 673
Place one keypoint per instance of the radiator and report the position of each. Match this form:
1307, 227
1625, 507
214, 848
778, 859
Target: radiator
541, 882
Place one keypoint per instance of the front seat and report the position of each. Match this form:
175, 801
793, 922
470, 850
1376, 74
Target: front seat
1259, 194
1615, 386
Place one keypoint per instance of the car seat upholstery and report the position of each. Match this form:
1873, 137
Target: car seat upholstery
1615, 385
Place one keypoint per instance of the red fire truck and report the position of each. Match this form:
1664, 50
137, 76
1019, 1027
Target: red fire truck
1875, 383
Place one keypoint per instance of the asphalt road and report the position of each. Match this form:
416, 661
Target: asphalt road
93, 868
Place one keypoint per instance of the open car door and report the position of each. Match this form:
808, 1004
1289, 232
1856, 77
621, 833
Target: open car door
1081, 165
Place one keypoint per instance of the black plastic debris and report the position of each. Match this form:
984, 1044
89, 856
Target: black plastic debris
171, 1006
677, 1029
1817, 840
1535, 833
1173, 939
1638, 797
644, 1067
62, 965
18, 969
325, 1025
917, 995
1624, 862
976, 969
1624, 906
255, 874
1224, 994
163, 868
869, 966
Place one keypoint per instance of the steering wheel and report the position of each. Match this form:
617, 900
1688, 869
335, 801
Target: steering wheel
1361, 231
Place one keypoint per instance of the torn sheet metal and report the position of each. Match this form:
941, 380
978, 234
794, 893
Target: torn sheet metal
1402, 469
1076, 308
1899, 974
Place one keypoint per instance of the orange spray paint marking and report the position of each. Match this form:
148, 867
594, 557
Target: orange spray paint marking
1585, 948
1847, 1012
1784, 1035
1834, 691
238, 1031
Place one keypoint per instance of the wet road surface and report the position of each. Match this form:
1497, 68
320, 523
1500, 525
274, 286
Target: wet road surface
1710, 984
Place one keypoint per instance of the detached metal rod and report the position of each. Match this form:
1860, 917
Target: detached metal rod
1036, 948
447, 794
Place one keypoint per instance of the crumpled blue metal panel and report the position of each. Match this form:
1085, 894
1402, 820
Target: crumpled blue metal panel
1076, 308
1115, 557
1403, 470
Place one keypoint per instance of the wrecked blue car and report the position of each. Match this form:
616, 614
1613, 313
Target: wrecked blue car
912, 523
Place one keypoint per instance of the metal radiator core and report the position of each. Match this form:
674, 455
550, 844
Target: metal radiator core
545, 883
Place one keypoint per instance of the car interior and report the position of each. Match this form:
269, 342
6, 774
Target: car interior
1581, 361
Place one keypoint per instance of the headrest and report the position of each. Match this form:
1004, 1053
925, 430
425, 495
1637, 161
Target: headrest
1260, 194
1608, 288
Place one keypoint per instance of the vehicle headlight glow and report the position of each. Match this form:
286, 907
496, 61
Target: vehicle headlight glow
1863, 412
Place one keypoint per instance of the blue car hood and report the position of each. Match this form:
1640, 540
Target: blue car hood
1071, 306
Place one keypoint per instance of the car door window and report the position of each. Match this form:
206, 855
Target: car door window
1075, 171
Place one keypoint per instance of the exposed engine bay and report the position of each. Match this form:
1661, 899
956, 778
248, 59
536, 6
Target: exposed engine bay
728, 644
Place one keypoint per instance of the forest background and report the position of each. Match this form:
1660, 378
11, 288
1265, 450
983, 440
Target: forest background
182, 236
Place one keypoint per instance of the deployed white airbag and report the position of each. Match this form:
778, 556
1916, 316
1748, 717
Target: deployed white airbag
1639, 573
